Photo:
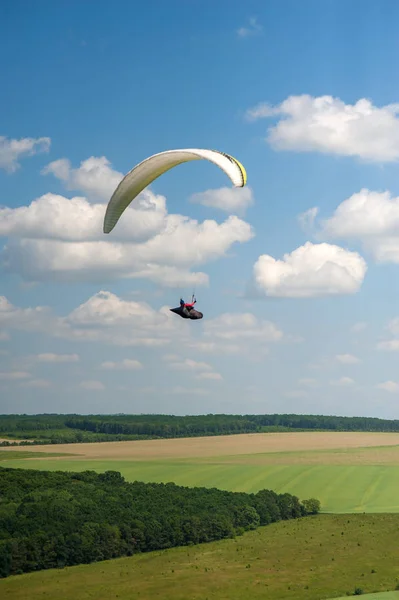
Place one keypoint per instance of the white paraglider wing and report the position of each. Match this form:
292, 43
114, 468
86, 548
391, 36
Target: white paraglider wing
150, 169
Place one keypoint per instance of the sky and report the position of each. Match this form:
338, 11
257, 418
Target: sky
296, 273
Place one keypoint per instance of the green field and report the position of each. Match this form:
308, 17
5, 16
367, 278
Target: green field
307, 559
341, 488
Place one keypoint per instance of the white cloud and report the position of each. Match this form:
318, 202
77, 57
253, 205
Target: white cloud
241, 327
57, 238
12, 150
214, 347
371, 218
92, 385
389, 386
390, 345
393, 344
326, 124
104, 317
309, 271
4, 336
347, 359
95, 177
213, 376
307, 218
54, 217
37, 383
188, 364
343, 381
13, 375
253, 28
108, 319
28, 319
393, 326
231, 200
50, 357
308, 382
127, 364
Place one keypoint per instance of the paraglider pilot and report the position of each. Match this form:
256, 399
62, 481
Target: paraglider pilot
188, 305
187, 310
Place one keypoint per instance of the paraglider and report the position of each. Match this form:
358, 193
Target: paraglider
186, 310
153, 167
144, 173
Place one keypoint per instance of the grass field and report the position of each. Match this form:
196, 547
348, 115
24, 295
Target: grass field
348, 472
307, 559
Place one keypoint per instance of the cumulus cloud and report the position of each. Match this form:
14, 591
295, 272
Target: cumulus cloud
54, 217
326, 124
57, 238
347, 359
241, 327
309, 271
391, 345
231, 200
214, 347
201, 370
253, 28
12, 150
343, 381
358, 327
13, 375
92, 385
389, 386
50, 357
212, 376
188, 364
104, 317
108, 319
127, 364
94, 177
308, 382
368, 217
28, 319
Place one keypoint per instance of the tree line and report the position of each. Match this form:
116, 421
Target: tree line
57, 519
56, 429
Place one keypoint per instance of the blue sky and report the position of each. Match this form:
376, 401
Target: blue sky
296, 274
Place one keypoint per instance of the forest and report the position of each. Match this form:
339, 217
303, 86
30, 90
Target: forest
61, 429
57, 519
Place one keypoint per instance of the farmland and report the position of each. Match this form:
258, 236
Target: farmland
347, 472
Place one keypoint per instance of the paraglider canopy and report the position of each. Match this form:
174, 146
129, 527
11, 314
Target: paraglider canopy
153, 167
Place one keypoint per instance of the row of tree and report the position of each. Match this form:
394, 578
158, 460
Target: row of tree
55, 519
96, 428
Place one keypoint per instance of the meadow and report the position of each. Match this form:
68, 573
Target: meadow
315, 558
347, 472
